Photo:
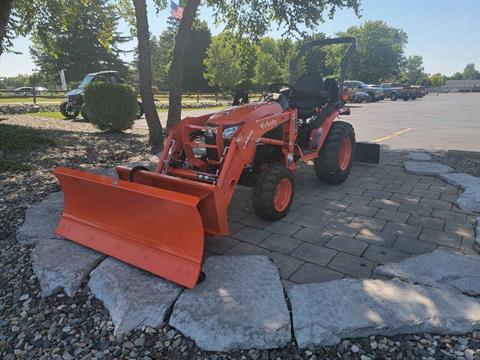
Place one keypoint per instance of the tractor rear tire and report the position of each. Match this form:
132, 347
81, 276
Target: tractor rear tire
273, 192
335, 159
140, 110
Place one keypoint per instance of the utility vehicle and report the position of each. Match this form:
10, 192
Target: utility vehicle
75, 104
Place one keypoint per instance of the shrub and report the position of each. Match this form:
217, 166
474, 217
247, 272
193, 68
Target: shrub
111, 107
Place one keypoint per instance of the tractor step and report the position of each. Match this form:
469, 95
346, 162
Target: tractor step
367, 153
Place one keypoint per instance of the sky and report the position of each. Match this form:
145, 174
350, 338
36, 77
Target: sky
446, 33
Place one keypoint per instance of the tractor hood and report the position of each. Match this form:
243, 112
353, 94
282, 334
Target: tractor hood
249, 112
74, 92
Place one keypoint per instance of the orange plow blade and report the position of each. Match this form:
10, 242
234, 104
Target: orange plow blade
158, 230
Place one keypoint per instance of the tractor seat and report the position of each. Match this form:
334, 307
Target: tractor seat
310, 95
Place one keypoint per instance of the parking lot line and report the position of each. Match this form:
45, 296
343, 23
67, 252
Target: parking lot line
379, 140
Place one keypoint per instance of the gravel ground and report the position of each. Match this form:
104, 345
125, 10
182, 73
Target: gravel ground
60, 327
464, 164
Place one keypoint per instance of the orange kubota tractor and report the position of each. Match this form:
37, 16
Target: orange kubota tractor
156, 220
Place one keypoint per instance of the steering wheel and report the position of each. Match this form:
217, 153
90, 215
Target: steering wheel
276, 87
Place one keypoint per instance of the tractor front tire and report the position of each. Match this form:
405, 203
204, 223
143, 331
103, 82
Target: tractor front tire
335, 159
68, 110
273, 192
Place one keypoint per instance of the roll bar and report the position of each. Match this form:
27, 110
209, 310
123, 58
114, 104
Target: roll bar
332, 41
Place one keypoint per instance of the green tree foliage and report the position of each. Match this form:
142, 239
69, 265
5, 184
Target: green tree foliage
254, 18
437, 79
470, 73
379, 53
414, 69
224, 65
248, 18
111, 107
195, 52
36, 79
80, 36
267, 69
456, 76
264, 62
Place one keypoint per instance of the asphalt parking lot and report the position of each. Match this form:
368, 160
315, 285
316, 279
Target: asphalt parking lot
443, 122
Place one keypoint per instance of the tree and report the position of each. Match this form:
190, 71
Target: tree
80, 37
267, 69
195, 52
178, 57
456, 76
252, 18
5, 10
470, 73
223, 65
145, 76
437, 79
414, 69
379, 53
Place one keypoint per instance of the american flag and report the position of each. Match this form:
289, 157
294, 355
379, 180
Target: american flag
177, 11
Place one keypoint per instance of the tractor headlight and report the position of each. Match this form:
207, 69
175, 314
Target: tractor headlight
230, 131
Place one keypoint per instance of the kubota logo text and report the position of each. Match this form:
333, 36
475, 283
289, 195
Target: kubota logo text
268, 124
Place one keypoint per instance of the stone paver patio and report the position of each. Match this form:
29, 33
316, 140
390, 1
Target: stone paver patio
381, 214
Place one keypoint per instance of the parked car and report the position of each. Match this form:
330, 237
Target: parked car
420, 91
375, 93
399, 91
75, 104
28, 90
359, 97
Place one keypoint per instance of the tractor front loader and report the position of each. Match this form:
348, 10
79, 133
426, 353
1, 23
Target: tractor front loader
156, 220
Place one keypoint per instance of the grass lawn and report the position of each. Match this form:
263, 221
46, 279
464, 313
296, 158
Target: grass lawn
29, 100
15, 138
50, 114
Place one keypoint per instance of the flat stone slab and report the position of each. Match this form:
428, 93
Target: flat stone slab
462, 180
469, 200
133, 297
426, 168
325, 313
441, 269
419, 156
62, 264
239, 305
477, 232
41, 220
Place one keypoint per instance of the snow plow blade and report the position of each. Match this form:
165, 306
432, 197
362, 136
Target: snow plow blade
155, 229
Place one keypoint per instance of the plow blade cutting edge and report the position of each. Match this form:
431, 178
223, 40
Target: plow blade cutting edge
158, 230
